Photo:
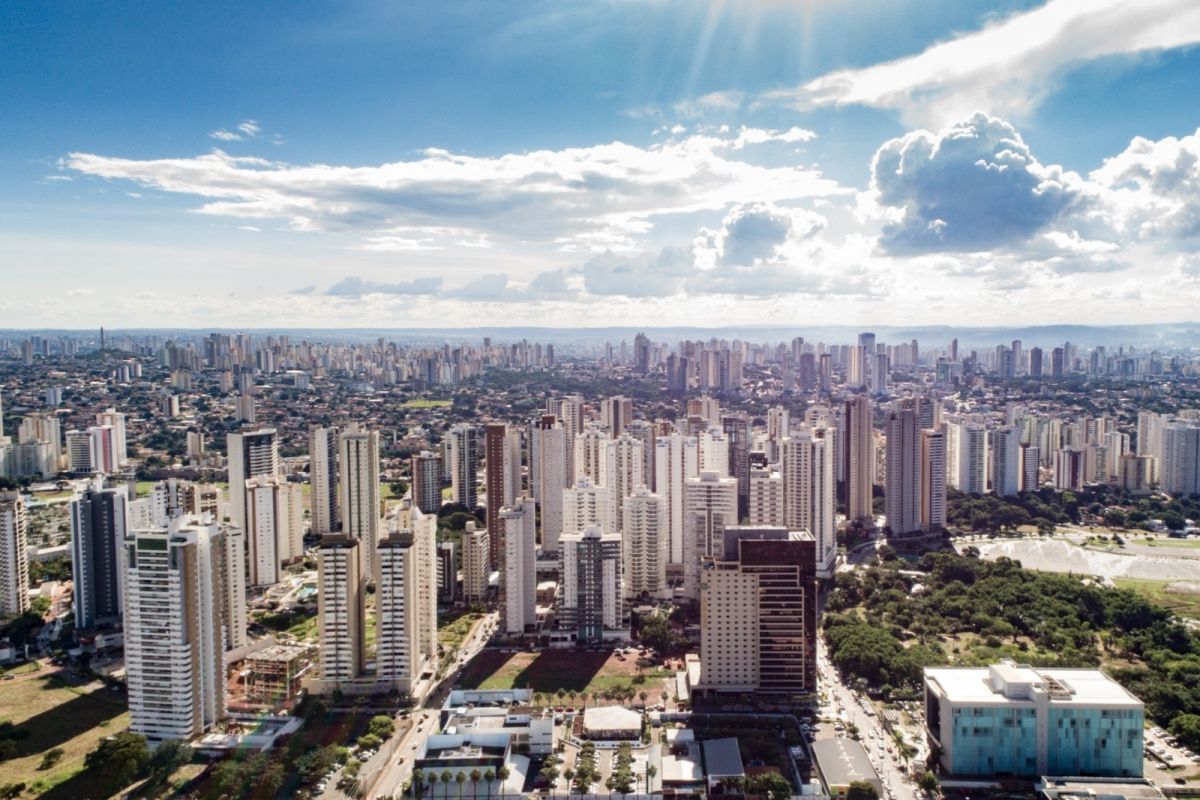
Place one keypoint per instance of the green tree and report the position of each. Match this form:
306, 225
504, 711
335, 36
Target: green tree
928, 782
168, 757
772, 785
861, 790
1187, 728
51, 757
119, 758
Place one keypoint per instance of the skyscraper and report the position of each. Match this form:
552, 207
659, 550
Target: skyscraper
340, 610
592, 599
585, 504
675, 461
644, 536
737, 433
426, 481
275, 531
323, 477
116, 420
248, 455
902, 496
615, 414
549, 460
397, 654
99, 525
624, 464
502, 479
476, 562
710, 506
1006, 462
518, 578
359, 494
175, 628
14, 556
933, 479
589, 454
859, 460
808, 492
568, 410
464, 464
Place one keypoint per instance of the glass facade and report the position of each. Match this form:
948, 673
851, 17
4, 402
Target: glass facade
994, 741
1094, 741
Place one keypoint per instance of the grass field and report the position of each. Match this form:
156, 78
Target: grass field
1182, 603
56, 714
551, 670
1178, 544
421, 403
452, 631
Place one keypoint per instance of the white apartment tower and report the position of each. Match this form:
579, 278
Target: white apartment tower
808, 492
549, 453
592, 600
1006, 462
466, 451
340, 610
397, 650
518, 578
116, 420
14, 558
589, 454
476, 554
175, 624
323, 477
766, 496
275, 526
624, 465
675, 461
249, 455
585, 505
644, 536
710, 506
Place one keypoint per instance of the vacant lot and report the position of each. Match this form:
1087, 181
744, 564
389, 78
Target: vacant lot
569, 670
1182, 597
421, 403
57, 714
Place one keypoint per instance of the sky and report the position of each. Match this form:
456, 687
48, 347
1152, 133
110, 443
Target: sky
601, 162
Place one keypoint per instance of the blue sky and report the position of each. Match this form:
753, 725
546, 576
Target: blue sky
602, 162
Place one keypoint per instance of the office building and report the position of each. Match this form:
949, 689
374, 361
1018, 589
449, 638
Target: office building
1014, 720
14, 556
710, 506
426, 482
518, 575
806, 467
592, 593
737, 435
177, 602
644, 535
465, 454
99, 525
359, 493
323, 478
758, 613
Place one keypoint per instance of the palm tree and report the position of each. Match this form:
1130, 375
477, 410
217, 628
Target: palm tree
476, 776
502, 775
642, 694
447, 776
418, 782
665, 697
651, 771
490, 777
460, 779
433, 779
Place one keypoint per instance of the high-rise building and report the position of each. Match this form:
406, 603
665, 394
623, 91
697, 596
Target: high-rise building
1035, 362
99, 525
177, 602
1179, 466
737, 434
80, 460
340, 610
103, 449
323, 478
615, 414
933, 479
116, 420
502, 478
758, 613
645, 432
568, 410
641, 353
548, 446
1031, 460
675, 461
624, 465
644, 536
902, 499
967, 456
1006, 462
398, 656
476, 563
766, 496
43, 428
710, 506
465, 453
589, 454
1068, 469
518, 577
447, 570
14, 556
275, 531
248, 455
859, 460
359, 494
585, 504
427, 482
779, 427
592, 601
806, 466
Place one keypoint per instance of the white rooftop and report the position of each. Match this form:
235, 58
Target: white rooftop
611, 718
1012, 683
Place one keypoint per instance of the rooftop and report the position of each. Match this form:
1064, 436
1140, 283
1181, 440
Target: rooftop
842, 761
611, 718
1009, 682
722, 758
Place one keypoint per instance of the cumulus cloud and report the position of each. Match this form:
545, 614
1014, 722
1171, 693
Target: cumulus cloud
1155, 187
485, 287
638, 274
355, 286
973, 186
1009, 66
600, 196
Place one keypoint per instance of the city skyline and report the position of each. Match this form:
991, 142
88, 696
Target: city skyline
602, 164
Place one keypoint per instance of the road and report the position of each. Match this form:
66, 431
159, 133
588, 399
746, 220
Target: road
842, 699
425, 714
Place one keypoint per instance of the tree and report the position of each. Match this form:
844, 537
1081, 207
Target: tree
773, 785
418, 782
476, 776
928, 782
490, 777
1187, 728
861, 790
651, 771
119, 758
433, 780
381, 726
51, 757
168, 757
460, 779
11, 791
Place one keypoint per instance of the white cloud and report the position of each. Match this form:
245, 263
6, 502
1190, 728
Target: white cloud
1155, 187
355, 287
1009, 66
597, 196
247, 129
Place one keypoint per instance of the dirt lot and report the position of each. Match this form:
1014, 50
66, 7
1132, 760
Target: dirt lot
569, 670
